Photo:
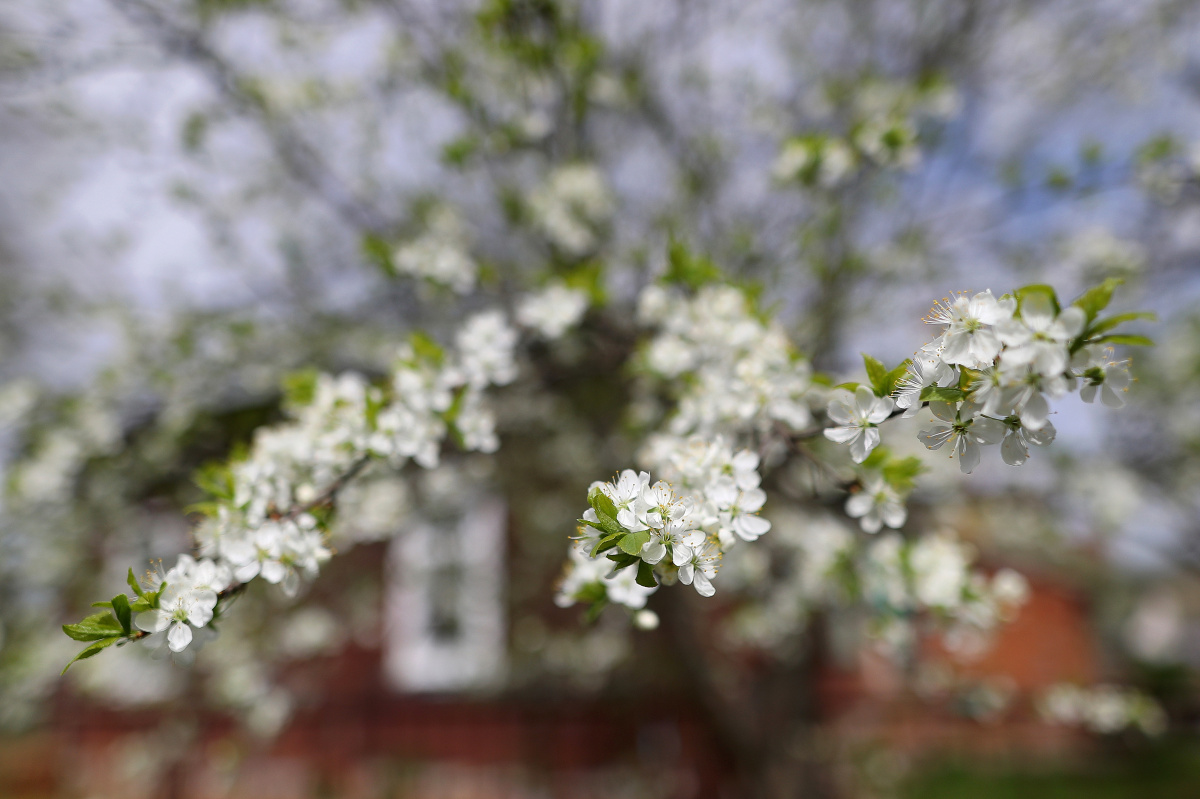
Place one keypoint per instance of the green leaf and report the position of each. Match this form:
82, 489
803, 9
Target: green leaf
216, 478
901, 474
847, 386
1096, 299
893, 378
426, 348
606, 543
378, 251
633, 542
1107, 324
1024, 293
140, 605
594, 611
606, 513
102, 605
589, 278
940, 394
688, 269
645, 575
134, 584
458, 151
592, 592
1123, 338
876, 374
91, 651
120, 605
601, 503
94, 627
622, 559
877, 458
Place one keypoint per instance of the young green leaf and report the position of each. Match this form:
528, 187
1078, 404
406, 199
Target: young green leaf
1107, 324
90, 651
120, 606
605, 543
645, 575
901, 474
94, 627
1124, 338
622, 559
893, 378
1096, 299
633, 542
685, 268
594, 611
876, 374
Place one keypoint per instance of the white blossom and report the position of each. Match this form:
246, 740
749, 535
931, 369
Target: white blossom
969, 339
1040, 338
183, 602
552, 311
857, 416
963, 430
876, 504
699, 570
485, 349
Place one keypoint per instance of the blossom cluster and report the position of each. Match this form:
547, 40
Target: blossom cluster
677, 531
1103, 709
902, 578
553, 310
989, 377
570, 207
440, 254
739, 372
886, 121
266, 519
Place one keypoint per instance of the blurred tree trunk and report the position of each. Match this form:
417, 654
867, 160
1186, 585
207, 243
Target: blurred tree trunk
766, 716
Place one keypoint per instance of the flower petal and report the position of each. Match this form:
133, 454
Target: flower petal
179, 636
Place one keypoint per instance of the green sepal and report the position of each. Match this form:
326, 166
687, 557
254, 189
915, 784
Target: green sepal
1097, 298
942, 394
94, 627
632, 543
645, 575
121, 609
90, 651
